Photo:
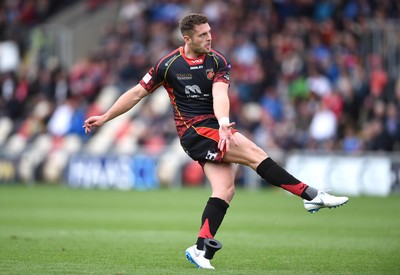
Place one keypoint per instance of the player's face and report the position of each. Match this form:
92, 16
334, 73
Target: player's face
200, 41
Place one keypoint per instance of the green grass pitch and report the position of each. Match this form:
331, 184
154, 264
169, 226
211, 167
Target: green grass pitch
58, 230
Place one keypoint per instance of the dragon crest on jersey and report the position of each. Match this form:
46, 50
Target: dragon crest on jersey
210, 73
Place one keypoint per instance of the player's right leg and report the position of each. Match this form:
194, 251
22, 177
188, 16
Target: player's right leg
201, 144
248, 153
196, 257
221, 178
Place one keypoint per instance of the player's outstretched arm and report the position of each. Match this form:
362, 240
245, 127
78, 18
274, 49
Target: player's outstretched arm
123, 104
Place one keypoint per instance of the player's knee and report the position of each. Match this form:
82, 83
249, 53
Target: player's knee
254, 155
225, 193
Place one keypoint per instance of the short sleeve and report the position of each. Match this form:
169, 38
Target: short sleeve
223, 68
151, 80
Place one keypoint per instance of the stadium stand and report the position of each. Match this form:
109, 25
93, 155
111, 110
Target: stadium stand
315, 75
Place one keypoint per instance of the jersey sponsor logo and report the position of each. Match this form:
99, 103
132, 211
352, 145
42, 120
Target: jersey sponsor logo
196, 61
196, 67
210, 73
184, 76
193, 91
193, 62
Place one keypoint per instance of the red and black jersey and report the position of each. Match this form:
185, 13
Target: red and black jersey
188, 83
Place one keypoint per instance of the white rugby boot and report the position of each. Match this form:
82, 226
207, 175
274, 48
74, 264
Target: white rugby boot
324, 200
196, 257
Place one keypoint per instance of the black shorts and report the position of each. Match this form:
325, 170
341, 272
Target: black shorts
200, 141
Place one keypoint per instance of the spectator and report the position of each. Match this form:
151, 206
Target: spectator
302, 62
272, 104
323, 125
60, 121
378, 139
392, 121
351, 142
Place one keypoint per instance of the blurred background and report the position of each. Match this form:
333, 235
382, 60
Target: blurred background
314, 83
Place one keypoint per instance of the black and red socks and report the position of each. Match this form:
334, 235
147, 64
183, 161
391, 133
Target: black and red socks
276, 175
216, 208
211, 220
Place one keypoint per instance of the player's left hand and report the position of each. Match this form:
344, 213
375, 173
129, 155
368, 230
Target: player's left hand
226, 137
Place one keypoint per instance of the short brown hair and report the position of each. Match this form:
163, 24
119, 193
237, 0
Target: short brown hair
188, 22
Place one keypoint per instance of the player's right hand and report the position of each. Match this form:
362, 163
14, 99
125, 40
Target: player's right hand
93, 121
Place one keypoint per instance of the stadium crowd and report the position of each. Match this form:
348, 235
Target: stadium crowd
305, 73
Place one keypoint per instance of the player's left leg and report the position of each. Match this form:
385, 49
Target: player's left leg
247, 153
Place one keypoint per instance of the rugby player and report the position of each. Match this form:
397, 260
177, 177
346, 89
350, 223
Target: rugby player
197, 80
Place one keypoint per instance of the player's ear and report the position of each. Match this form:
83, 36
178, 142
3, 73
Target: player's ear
186, 38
